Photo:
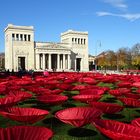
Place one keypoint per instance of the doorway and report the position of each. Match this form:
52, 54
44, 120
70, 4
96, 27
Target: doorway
21, 63
78, 64
54, 62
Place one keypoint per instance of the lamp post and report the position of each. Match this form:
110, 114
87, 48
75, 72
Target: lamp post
98, 45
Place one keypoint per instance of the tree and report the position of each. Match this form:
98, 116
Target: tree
101, 60
136, 56
124, 58
111, 60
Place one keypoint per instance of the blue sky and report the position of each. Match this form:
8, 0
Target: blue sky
114, 23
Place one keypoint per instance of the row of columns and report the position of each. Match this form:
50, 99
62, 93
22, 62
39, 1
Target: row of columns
53, 61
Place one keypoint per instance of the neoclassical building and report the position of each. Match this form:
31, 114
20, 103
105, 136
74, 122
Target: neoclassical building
22, 51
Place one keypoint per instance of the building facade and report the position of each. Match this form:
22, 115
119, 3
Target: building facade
22, 52
91, 60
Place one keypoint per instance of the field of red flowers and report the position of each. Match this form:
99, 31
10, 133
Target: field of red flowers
70, 106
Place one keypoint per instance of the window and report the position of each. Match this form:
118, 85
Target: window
25, 37
29, 37
84, 41
78, 40
13, 36
72, 40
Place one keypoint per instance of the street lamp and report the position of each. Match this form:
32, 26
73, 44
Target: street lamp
98, 44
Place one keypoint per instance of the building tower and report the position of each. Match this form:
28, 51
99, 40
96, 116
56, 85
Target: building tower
19, 47
78, 43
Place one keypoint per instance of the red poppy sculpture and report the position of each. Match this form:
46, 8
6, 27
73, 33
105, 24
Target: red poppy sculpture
107, 108
78, 116
117, 130
132, 95
119, 91
64, 86
138, 91
136, 122
86, 98
25, 133
23, 95
124, 85
9, 101
2, 89
115, 92
79, 87
136, 84
88, 80
52, 99
56, 91
92, 91
130, 101
26, 115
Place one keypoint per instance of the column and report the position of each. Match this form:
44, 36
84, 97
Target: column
37, 61
69, 62
81, 65
43, 61
81, 41
75, 64
63, 61
61, 66
58, 61
49, 60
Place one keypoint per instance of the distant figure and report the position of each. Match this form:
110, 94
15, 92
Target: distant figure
31, 73
8, 72
78, 70
54, 69
12, 72
20, 73
45, 73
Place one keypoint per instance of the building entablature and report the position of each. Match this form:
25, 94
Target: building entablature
74, 32
52, 50
13, 27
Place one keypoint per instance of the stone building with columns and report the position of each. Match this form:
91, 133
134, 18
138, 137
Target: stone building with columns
22, 51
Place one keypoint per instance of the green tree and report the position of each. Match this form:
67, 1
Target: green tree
135, 51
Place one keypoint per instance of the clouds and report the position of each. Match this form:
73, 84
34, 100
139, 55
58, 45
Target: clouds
121, 5
117, 3
104, 14
130, 17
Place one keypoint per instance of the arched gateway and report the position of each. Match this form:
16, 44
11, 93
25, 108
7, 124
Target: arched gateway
21, 51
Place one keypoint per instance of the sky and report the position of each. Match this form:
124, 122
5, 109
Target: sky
111, 24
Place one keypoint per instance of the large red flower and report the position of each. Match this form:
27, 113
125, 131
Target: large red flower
117, 130
25, 133
78, 116
26, 115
